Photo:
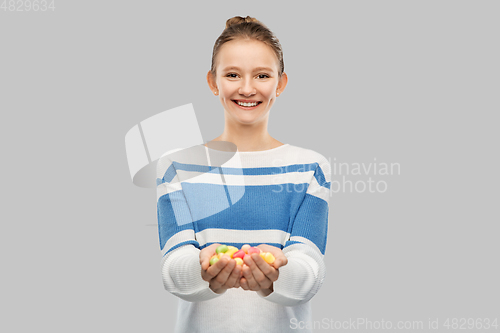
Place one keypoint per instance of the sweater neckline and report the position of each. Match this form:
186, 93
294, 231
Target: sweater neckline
262, 151
254, 152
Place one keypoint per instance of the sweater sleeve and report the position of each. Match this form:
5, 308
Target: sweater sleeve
301, 278
180, 265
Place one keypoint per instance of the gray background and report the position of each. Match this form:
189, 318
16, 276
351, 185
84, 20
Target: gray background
408, 82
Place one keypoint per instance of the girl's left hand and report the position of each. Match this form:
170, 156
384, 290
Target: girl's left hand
258, 274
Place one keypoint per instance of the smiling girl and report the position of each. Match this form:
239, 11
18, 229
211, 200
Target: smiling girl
284, 209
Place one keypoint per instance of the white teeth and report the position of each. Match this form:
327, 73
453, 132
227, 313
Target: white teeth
246, 104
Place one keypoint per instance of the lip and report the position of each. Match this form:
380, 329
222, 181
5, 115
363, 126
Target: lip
246, 101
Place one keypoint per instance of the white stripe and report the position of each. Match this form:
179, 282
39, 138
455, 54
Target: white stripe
242, 236
281, 158
179, 237
307, 242
246, 180
165, 188
261, 180
318, 190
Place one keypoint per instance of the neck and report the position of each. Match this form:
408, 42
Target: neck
251, 137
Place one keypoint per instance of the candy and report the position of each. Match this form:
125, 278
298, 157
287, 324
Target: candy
221, 248
238, 254
231, 252
253, 250
246, 247
269, 258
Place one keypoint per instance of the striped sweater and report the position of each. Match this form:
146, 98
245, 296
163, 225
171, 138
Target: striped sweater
277, 197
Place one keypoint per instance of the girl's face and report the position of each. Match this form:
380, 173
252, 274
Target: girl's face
247, 71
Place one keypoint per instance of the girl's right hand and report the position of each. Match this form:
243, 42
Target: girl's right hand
224, 274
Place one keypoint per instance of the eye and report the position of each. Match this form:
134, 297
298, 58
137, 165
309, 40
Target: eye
230, 74
264, 75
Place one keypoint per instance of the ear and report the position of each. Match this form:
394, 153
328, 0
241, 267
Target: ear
211, 82
283, 82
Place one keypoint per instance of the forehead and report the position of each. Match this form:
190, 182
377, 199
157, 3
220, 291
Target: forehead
246, 54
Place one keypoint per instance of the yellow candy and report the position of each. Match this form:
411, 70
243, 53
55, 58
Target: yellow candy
220, 255
269, 258
262, 254
231, 251
238, 261
229, 247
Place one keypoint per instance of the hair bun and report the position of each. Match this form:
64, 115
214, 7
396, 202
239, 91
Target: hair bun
238, 19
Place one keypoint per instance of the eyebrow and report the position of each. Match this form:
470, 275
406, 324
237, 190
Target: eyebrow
256, 69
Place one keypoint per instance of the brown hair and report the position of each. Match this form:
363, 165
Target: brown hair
248, 28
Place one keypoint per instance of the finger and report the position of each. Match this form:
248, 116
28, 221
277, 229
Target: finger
255, 262
247, 273
244, 284
224, 274
234, 277
267, 270
280, 258
214, 270
237, 283
206, 254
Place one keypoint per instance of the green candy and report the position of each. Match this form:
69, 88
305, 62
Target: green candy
213, 261
221, 248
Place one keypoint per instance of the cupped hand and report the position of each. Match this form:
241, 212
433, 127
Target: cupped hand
224, 274
258, 274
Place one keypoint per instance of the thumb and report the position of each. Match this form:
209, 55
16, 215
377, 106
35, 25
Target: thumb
207, 253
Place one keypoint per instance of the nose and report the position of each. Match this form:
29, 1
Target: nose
247, 88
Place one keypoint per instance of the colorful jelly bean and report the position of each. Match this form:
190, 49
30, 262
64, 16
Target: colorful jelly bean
238, 254
221, 248
269, 258
254, 250
231, 252
246, 247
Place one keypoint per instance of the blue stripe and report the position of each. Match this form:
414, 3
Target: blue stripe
288, 243
318, 174
195, 243
311, 221
320, 178
239, 245
259, 208
170, 222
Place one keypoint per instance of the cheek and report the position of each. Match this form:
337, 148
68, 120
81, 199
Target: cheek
268, 94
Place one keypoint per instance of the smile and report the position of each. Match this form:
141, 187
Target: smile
247, 106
